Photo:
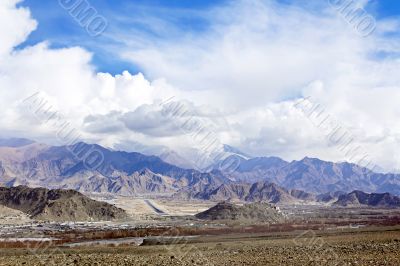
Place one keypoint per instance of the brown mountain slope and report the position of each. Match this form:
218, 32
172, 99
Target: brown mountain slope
315, 176
57, 205
262, 212
138, 183
359, 198
231, 192
69, 167
265, 191
257, 192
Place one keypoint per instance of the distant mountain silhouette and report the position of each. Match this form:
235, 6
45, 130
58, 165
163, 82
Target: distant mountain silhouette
314, 175
93, 168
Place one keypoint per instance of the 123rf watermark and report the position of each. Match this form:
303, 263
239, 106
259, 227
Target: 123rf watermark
336, 133
354, 14
85, 15
46, 114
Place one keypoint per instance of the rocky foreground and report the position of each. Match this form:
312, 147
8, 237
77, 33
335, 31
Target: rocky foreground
57, 205
376, 248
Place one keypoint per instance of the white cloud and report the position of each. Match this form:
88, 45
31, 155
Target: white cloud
15, 25
256, 54
240, 77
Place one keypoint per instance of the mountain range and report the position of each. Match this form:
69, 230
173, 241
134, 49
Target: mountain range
72, 167
313, 175
93, 168
272, 193
261, 191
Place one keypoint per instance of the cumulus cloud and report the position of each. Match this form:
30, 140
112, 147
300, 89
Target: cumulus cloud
240, 78
151, 121
98, 107
257, 54
254, 52
15, 25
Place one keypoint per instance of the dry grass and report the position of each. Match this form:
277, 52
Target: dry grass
363, 248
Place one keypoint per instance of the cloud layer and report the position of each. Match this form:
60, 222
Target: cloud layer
240, 78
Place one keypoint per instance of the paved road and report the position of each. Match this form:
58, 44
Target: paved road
157, 210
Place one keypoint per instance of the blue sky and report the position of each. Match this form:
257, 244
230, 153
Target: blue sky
60, 29
238, 65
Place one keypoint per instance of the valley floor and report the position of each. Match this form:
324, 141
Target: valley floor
377, 247
169, 234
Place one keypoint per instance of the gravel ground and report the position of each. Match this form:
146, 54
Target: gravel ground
372, 248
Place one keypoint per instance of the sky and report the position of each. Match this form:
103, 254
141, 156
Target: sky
239, 69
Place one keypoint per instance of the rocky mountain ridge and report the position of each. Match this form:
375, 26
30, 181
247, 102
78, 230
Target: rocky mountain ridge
359, 198
259, 212
314, 175
58, 205
93, 168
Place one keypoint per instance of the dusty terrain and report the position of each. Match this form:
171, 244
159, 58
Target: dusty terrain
11, 216
364, 248
184, 207
169, 234
139, 209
